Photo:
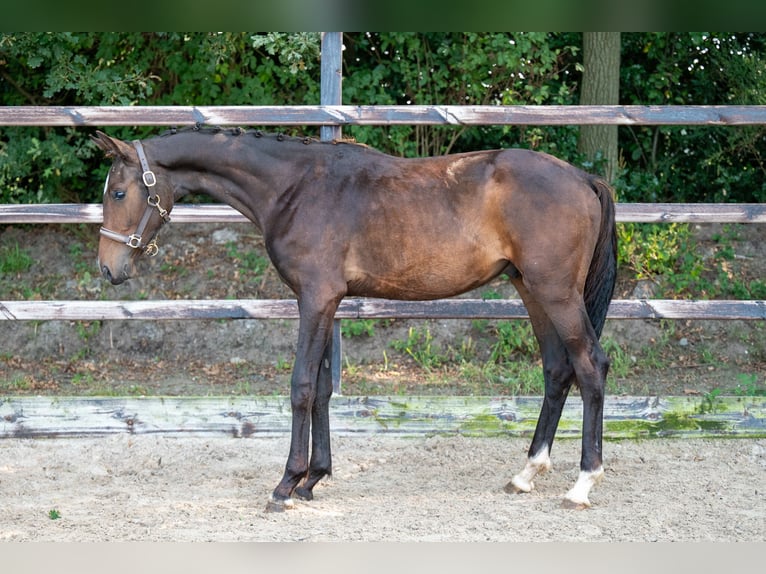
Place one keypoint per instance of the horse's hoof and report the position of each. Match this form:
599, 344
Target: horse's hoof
303, 493
275, 505
577, 497
519, 486
574, 505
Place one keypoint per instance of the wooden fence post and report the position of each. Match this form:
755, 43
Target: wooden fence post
331, 95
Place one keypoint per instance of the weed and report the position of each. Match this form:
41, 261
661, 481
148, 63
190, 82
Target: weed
709, 402
651, 249
108, 391
82, 379
757, 289
419, 346
250, 263
13, 259
621, 362
666, 250
243, 387
465, 352
18, 383
358, 327
513, 337
54, 514
283, 365
82, 262
491, 295
351, 370
748, 386
511, 378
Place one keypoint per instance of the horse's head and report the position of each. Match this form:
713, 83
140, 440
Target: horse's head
136, 204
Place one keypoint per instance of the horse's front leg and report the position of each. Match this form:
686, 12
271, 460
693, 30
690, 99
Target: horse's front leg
314, 335
321, 454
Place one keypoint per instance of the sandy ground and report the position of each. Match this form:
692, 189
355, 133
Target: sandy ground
440, 488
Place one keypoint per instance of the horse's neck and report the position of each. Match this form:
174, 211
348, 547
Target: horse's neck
238, 175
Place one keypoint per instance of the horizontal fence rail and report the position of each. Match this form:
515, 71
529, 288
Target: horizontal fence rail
379, 115
357, 308
242, 417
212, 213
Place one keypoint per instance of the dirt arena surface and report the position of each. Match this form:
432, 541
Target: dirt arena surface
439, 488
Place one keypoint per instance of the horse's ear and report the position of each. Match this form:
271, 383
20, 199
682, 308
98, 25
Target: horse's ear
112, 147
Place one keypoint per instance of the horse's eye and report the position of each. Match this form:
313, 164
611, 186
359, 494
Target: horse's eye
119, 194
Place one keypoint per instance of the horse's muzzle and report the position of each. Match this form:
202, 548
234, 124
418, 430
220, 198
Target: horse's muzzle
114, 279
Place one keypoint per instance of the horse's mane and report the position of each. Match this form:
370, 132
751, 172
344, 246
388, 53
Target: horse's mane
238, 131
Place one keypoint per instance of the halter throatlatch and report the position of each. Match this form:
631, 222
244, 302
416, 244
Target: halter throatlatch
153, 202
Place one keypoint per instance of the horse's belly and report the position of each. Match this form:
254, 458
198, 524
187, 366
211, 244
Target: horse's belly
422, 282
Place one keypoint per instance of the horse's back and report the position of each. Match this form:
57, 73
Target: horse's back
437, 227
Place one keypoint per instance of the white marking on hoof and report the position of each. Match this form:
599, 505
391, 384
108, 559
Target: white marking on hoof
275, 505
577, 497
537, 464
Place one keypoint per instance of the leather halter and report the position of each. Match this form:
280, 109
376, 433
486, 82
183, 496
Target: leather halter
153, 202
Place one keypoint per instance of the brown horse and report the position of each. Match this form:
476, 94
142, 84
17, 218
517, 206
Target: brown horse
341, 219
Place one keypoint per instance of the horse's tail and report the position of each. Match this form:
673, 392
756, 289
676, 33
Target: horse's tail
602, 274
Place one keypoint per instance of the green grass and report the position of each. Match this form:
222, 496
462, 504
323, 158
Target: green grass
251, 265
13, 259
358, 327
15, 384
420, 347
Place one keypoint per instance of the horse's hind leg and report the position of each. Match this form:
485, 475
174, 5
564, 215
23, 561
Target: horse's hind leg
591, 366
571, 351
559, 376
321, 454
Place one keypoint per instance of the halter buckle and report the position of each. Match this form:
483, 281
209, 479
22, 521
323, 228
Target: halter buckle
133, 241
150, 180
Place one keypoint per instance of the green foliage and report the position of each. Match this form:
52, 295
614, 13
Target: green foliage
694, 163
659, 163
748, 385
666, 251
39, 164
653, 249
250, 263
13, 259
358, 327
669, 255
419, 346
513, 338
453, 68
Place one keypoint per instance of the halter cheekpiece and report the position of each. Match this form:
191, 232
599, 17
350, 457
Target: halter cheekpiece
153, 202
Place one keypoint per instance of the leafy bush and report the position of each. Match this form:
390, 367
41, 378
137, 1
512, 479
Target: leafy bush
40, 164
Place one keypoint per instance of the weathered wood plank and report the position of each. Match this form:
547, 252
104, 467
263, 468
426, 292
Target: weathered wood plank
691, 212
242, 417
357, 308
179, 309
378, 115
216, 213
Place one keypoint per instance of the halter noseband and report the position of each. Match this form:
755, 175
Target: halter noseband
153, 201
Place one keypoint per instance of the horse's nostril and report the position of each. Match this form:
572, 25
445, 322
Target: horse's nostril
106, 273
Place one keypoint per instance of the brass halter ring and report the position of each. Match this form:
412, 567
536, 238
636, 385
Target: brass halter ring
134, 240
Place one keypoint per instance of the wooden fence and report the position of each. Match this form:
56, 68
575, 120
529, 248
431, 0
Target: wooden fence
332, 116
379, 115
382, 115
